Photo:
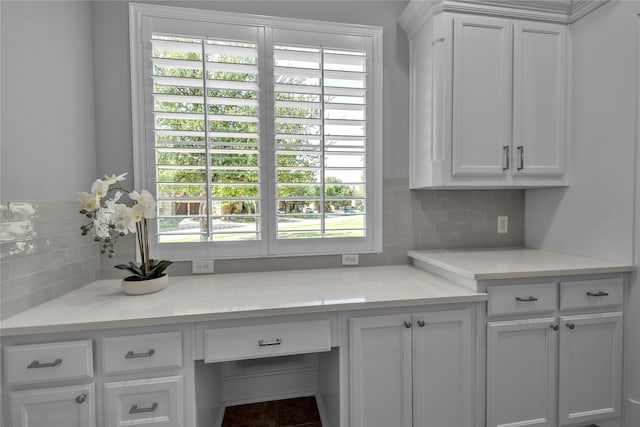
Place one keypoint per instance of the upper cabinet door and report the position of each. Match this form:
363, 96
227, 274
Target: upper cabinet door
539, 110
482, 66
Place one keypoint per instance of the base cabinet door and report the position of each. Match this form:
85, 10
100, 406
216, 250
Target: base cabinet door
443, 369
521, 372
72, 406
380, 371
590, 367
412, 370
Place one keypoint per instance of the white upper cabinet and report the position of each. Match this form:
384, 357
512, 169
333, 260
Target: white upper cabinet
488, 98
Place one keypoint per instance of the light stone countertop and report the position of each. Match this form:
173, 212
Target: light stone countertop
102, 304
514, 263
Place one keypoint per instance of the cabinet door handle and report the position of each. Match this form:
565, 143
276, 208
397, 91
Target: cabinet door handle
597, 294
37, 364
571, 325
421, 323
81, 398
554, 327
267, 343
507, 158
131, 355
135, 410
407, 324
520, 149
527, 299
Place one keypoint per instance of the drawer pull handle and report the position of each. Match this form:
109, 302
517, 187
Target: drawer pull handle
135, 410
266, 343
554, 327
571, 325
527, 299
597, 294
37, 364
81, 398
520, 149
131, 355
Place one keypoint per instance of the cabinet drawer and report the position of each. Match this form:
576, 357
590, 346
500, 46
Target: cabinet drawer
248, 342
34, 363
142, 352
533, 298
591, 293
156, 402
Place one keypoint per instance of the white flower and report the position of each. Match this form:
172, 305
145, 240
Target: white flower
112, 179
123, 218
101, 224
88, 201
100, 188
146, 205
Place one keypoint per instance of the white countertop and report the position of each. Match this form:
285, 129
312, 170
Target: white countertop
102, 304
487, 264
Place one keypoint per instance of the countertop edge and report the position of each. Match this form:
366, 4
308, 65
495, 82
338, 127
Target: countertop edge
206, 317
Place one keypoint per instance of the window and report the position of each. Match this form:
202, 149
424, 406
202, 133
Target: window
260, 136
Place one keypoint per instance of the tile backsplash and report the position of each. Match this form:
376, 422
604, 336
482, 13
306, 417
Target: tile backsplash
42, 254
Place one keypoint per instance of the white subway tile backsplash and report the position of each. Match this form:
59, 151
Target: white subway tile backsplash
42, 254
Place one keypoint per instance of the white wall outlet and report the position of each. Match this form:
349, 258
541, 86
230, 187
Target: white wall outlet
350, 259
503, 224
202, 266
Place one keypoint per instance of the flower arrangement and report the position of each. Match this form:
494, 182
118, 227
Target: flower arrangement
111, 219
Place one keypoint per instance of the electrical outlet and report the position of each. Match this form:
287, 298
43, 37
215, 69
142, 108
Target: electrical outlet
503, 224
350, 259
202, 266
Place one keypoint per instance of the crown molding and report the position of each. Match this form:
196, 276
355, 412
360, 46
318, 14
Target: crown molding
556, 11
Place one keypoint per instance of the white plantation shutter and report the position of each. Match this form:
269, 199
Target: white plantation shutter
257, 133
320, 142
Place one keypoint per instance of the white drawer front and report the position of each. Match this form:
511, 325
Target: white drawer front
142, 352
156, 402
591, 293
35, 363
518, 299
248, 342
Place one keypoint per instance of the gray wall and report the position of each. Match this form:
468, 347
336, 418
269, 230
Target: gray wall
47, 131
594, 215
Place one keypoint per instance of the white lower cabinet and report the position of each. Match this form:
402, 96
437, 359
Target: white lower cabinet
560, 370
412, 370
72, 406
521, 372
590, 367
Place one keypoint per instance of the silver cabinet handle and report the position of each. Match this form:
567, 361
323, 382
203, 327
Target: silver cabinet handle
554, 327
266, 343
407, 324
597, 294
37, 364
421, 323
520, 149
526, 299
81, 398
571, 325
507, 158
135, 410
131, 355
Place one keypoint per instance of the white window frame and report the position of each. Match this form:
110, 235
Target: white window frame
268, 246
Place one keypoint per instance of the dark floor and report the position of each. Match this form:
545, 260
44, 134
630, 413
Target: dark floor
298, 412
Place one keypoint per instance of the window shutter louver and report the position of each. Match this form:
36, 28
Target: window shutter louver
320, 142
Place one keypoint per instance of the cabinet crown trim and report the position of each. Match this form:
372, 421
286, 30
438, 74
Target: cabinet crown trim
560, 11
